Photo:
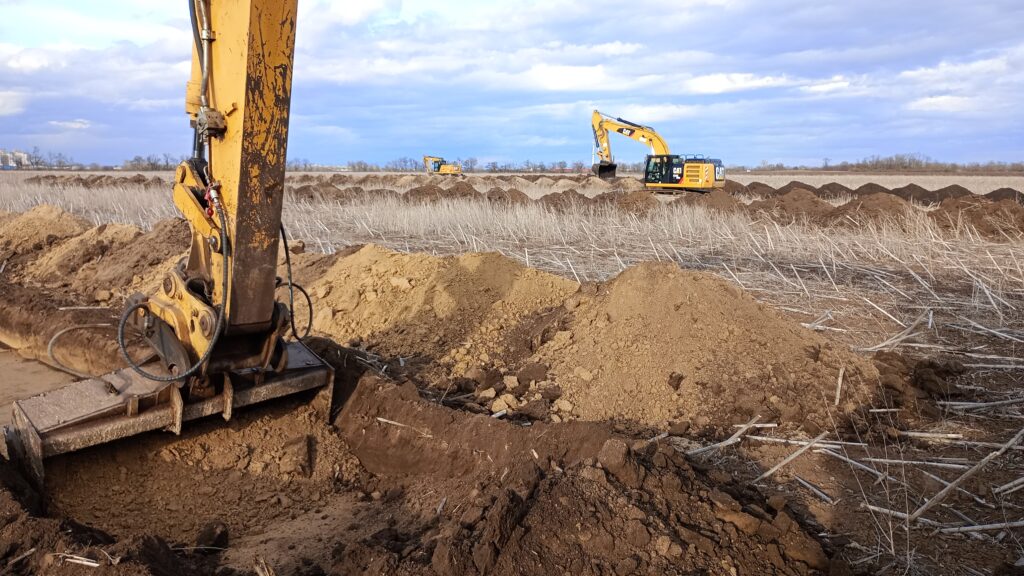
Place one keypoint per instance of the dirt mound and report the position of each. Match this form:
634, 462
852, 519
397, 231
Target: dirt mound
796, 204
794, 185
67, 258
1003, 220
659, 344
874, 207
564, 200
434, 193
913, 192
628, 184
39, 227
952, 191
1005, 194
462, 189
834, 190
639, 202
509, 197
418, 305
718, 199
870, 188
93, 181
734, 187
128, 265
761, 189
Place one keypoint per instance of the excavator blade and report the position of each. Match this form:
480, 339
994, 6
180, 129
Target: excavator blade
123, 404
604, 171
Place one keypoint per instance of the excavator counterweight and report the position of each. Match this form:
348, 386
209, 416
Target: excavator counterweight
217, 334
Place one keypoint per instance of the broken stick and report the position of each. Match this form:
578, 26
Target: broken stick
956, 483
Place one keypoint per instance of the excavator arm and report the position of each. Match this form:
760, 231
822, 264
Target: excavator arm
603, 125
214, 324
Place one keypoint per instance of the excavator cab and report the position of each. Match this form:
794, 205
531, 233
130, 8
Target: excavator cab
671, 171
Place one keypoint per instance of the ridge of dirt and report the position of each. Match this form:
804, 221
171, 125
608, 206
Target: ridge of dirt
639, 202
996, 220
658, 345
420, 305
873, 207
798, 203
870, 188
67, 258
38, 228
1005, 194
508, 197
564, 200
718, 199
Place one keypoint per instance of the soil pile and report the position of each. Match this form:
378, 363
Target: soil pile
639, 202
718, 199
629, 184
798, 203
761, 189
794, 185
834, 190
462, 189
508, 197
1005, 194
564, 200
734, 187
418, 305
874, 207
434, 193
951, 191
38, 228
870, 188
66, 259
913, 192
994, 220
91, 181
658, 345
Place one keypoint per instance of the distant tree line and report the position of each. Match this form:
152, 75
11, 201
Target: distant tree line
899, 163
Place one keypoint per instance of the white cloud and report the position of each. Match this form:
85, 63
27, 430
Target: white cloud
650, 113
946, 103
835, 84
12, 103
722, 83
545, 141
76, 124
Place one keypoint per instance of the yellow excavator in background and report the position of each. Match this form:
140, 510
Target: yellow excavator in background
437, 165
663, 171
217, 334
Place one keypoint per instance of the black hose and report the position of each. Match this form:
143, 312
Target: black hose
291, 291
218, 327
197, 139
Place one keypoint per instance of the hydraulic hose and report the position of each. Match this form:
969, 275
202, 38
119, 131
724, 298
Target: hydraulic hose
217, 330
197, 139
291, 291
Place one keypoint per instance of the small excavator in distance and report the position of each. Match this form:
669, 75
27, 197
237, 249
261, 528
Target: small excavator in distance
217, 333
663, 171
438, 165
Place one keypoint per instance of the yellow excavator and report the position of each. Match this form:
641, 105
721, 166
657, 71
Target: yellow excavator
218, 335
438, 165
663, 171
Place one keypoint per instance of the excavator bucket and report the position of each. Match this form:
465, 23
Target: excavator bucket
123, 404
605, 170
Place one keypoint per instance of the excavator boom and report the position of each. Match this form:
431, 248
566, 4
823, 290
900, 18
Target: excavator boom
217, 331
663, 170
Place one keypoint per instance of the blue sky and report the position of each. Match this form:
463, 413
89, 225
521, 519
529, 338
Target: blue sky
789, 81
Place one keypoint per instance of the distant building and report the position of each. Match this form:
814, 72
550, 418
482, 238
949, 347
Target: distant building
13, 160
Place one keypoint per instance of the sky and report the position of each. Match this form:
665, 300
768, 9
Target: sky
748, 81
